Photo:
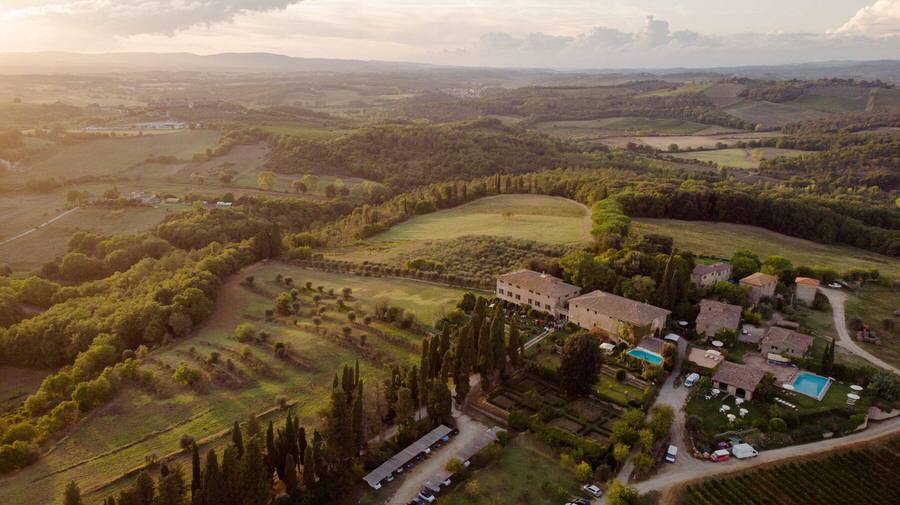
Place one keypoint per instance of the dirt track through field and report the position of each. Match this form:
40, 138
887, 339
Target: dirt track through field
38, 227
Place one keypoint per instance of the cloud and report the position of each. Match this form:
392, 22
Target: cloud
879, 19
134, 17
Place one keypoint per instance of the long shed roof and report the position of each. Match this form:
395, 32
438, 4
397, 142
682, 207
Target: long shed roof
406, 455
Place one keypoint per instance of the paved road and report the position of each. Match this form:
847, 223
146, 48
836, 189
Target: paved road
674, 397
537, 340
838, 299
673, 475
38, 227
414, 478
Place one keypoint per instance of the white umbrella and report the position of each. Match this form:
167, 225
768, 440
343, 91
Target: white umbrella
726, 407
789, 387
731, 417
853, 396
738, 401
744, 412
856, 388
717, 343
715, 391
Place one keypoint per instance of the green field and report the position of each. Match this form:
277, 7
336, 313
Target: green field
101, 445
33, 250
773, 115
116, 155
638, 125
874, 305
740, 158
303, 130
723, 239
526, 471
532, 217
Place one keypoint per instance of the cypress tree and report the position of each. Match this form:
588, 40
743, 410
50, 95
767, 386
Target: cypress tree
257, 481
72, 494
485, 357
513, 347
213, 483
196, 482
358, 432
231, 476
309, 470
424, 359
171, 489
145, 488
271, 458
237, 440
301, 444
290, 437
290, 476
498, 340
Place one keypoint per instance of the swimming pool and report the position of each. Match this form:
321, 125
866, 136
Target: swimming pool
811, 385
644, 354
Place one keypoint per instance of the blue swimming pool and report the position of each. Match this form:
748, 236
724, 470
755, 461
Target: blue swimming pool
811, 385
644, 354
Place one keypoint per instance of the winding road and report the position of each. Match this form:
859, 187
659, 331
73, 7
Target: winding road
838, 300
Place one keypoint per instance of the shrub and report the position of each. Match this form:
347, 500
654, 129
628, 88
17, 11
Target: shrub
584, 472
186, 441
621, 375
777, 425
245, 332
454, 466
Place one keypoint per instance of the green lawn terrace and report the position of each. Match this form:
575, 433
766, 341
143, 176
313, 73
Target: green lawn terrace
807, 419
146, 424
525, 471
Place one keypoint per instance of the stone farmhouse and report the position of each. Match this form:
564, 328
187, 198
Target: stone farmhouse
706, 276
806, 289
540, 291
783, 341
607, 313
761, 285
737, 379
717, 316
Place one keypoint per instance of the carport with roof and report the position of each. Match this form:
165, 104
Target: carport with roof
386, 469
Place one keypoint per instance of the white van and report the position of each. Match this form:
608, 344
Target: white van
742, 451
691, 380
671, 453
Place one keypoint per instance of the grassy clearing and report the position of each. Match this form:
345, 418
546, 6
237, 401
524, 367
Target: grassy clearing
303, 130
105, 445
723, 239
16, 383
740, 158
697, 141
874, 304
833, 104
532, 217
639, 125
526, 471
116, 155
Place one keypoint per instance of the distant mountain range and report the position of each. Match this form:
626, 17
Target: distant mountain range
79, 63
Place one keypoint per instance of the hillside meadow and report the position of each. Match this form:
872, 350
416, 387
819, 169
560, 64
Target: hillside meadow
143, 424
723, 239
740, 158
531, 217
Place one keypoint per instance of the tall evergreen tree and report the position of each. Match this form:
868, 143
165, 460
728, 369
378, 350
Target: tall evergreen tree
196, 479
72, 494
291, 486
301, 444
145, 488
231, 476
514, 346
237, 440
498, 340
485, 361
290, 436
358, 431
171, 489
257, 481
271, 452
213, 481
309, 470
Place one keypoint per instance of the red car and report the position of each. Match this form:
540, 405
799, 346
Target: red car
720, 455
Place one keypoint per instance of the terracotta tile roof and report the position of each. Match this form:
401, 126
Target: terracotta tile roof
738, 375
715, 267
652, 344
807, 281
620, 308
785, 338
715, 316
541, 283
759, 279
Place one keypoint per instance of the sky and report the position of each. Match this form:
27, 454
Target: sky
505, 33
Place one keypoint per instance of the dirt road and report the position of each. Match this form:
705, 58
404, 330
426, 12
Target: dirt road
838, 299
38, 227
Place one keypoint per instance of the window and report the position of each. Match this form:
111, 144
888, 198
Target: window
518, 297
500, 291
548, 306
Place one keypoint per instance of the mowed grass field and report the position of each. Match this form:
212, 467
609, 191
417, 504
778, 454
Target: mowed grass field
526, 471
138, 424
740, 158
532, 217
115, 155
874, 305
611, 126
723, 239
773, 115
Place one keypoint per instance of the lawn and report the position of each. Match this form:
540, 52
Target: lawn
526, 471
532, 217
303, 130
640, 125
740, 158
104, 446
16, 383
723, 239
874, 304
773, 115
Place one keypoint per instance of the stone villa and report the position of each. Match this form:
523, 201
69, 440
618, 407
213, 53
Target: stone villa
737, 379
717, 316
706, 276
540, 291
806, 289
607, 313
761, 286
783, 341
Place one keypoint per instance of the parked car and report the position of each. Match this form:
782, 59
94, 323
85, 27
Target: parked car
593, 490
427, 496
691, 380
743, 451
720, 455
671, 453
835, 285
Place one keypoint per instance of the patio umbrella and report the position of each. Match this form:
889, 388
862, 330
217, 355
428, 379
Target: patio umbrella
715, 391
738, 401
731, 417
853, 396
856, 388
717, 343
789, 387
726, 407
744, 412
